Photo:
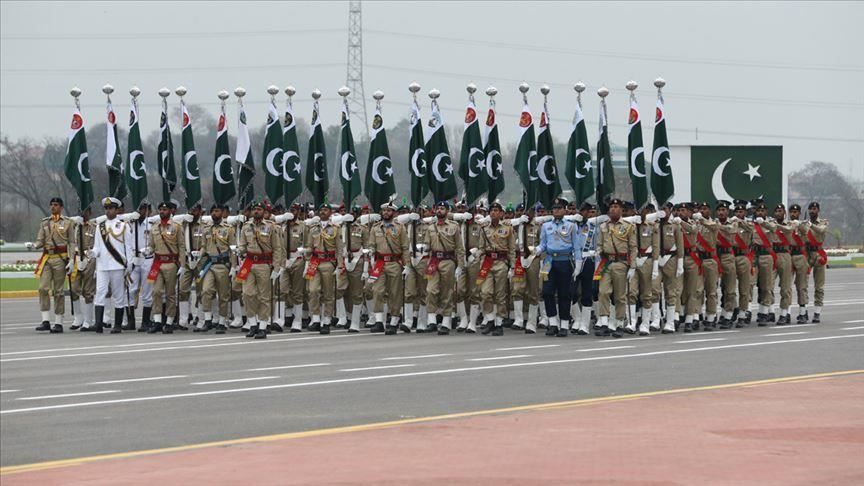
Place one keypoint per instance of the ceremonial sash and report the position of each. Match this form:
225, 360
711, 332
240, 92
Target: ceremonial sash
484, 269
601, 267
707, 248
823, 257
251, 259
157, 264
689, 250
205, 269
41, 265
518, 271
743, 248
432, 266
766, 243
243, 273
783, 240
800, 243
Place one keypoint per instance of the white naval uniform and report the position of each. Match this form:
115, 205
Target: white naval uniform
142, 265
109, 272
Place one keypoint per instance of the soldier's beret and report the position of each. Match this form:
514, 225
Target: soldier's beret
111, 202
814, 204
215, 207
629, 205
616, 201
722, 204
795, 207
586, 206
443, 203
57, 200
497, 205
165, 205
780, 206
520, 207
538, 206
682, 205
742, 206
388, 205
703, 204
197, 205
669, 205
144, 204
257, 205
650, 206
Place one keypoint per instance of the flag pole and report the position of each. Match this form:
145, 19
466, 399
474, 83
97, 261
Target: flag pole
239, 92
659, 83
523, 88
76, 93
603, 92
166, 186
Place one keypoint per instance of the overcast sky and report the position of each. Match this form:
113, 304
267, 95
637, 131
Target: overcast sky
786, 74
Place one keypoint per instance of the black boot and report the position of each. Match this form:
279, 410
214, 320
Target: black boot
378, 327
100, 318
145, 319
155, 326
601, 331
276, 327
562, 332
325, 329
552, 331
390, 331
498, 331
45, 326
817, 318
167, 328
488, 328
130, 319
313, 327
771, 317
118, 321
57, 329
221, 329
688, 327
261, 334
804, 318
748, 317
253, 330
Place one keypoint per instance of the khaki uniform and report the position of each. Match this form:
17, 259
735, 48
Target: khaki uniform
84, 283
350, 286
765, 271
817, 229
218, 259
641, 285
56, 239
527, 289
325, 247
744, 266
800, 264
260, 240
389, 244
617, 244
444, 241
192, 235
415, 283
498, 245
708, 228
291, 282
693, 284
671, 246
783, 236
169, 249
729, 276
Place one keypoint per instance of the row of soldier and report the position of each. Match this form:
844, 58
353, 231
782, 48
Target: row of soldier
435, 270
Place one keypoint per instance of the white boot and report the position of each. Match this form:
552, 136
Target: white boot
531, 325
518, 318
297, 323
447, 322
279, 314
554, 323
655, 316
585, 320
394, 322
564, 325
463, 315
544, 319
644, 328
670, 320
235, 311
184, 312
58, 319
78, 321
631, 325
602, 321
379, 318
88, 315
472, 318
422, 316
341, 314
355, 319
431, 319
408, 314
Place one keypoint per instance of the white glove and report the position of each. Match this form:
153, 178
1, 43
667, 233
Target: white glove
759, 220
336, 219
675, 220
275, 273
483, 220
589, 254
407, 218
233, 272
513, 222
183, 218
196, 253
635, 219
70, 266
794, 223
538, 251
458, 272
89, 254
77, 219
336, 271
655, 270
364, 276
206, 219
421, 248
147, 251
429, 219
734, 219
598, 219
306, 268
30, 245
405, 271
346, 218
543, 219
370, 218
655, 216
181, 271
640, 261
137, 261
312, 221
680, 270
289, 216
698, 216
462, 216
577, 270
129, 216
472, 254
574, 217
630, 273
100, 219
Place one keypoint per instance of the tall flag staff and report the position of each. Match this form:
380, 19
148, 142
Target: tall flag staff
443, 182
273, 150
492, 149
662, 181
165, 151
292, 183
416, 151
380, 187
525, 151
579, 172
349, 171
548, 186
136, 166
605, 174
316, 159
243, 155
223, 178
191, 180
636, 151
113, 159
472, 160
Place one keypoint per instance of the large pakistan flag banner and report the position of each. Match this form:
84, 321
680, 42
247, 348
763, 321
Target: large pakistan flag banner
730, 172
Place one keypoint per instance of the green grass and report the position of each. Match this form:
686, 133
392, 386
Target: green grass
10, 284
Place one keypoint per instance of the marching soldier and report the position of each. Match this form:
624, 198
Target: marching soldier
56, 239
192, 235
140, 289
706, 241
617, 246
415, 282
763, 244
168, 249
727, 229
322, 266
692, 289
584, 290
349, 295
388, 243
497, 249
671, 267
113, 249
814, 231
561, 243
84, 283
782, 244
647, 269
261, 247
445, 266
238, 310
218, 267
526, 273
744, 255
292, 283
800, 263
468, 292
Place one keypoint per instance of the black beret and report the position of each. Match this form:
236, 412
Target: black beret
57, 200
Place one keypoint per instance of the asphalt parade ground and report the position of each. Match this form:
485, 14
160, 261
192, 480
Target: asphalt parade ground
386, 409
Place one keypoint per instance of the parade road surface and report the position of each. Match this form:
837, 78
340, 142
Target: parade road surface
759, 404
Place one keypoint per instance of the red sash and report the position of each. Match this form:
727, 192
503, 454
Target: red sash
484, 269
766, 243
707, 248
432, 266
823, 257
518, 271
800, 244
782, 237
243, 273
313, 267
157, 264
601, 267
689, 249
723, 241
743, 248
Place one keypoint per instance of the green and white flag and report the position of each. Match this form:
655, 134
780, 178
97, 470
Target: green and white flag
245, 162
113, 160
223, 172
417, 157
273, 150
579, 171
662, 182
77, 164
379, 170
316, 160
636, 156
472, 160
191, 180
526, 156
292, 184
605, 175
349, 171
548, 185
494, 162
442, 181
165, 154
136, 167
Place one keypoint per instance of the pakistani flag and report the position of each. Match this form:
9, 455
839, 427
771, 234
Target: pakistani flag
472, 160
729, 172
165, 153
579, 173
191, 175
417, 158
272, 155
245, 162
662, 183
292, 184
548, 186
136, 167
605, 176
223, 173
77, 165
316, 160
442, 182
379, 171
116, 186
349, 173
525, 152
494, 162
636, 156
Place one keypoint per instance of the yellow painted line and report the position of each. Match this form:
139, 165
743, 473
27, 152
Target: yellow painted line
17, 294
383, 425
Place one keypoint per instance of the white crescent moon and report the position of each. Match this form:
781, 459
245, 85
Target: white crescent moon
541, 170
473, 150
717, 182
655, 161
189, 175
81, 159
531, 154
285, 157
133, 172
375, 173
217, 169
635, 153
164, 164
414, 157
490, 167
435, 166
315, 172
579, 152
345, 158
268, 162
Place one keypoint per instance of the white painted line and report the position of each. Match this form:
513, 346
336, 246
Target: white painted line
636, 338
493, 358
723, 332
604, 349
288, 367
420, 373
854, 321
9, 391
793, 326
65, 395
528, 347
688, 341
254, 378
407, 365
112, 346
132, 380
393, 358
7, 332
784, 334
853, 328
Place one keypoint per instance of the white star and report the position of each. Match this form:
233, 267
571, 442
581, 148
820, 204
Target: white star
389, 171
354, 166
752, 171
500, 168
587, 165
297, 167
423, 164
449, 168
481, 164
